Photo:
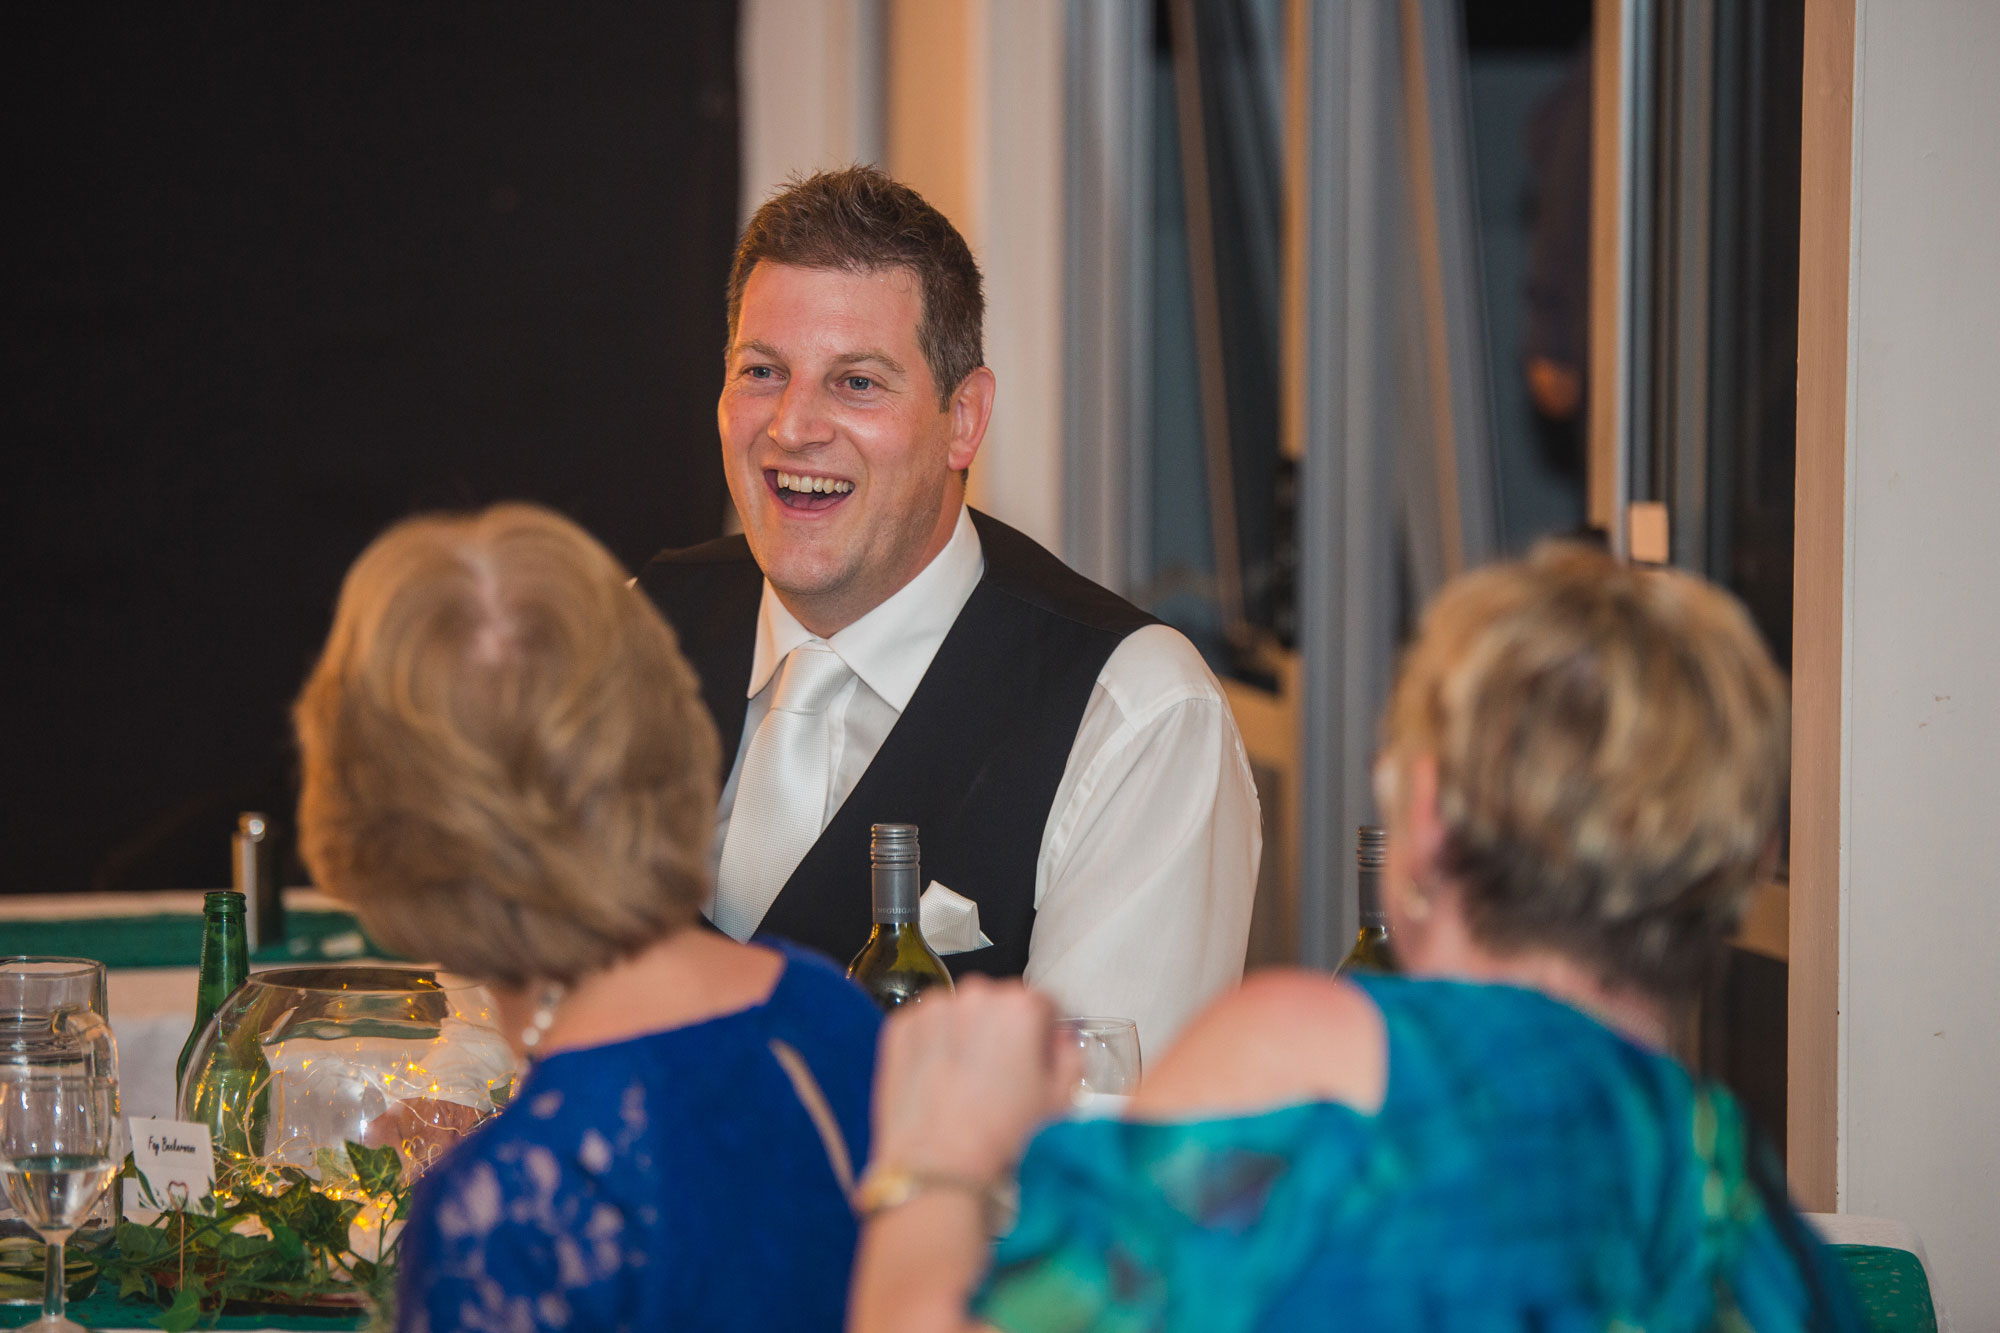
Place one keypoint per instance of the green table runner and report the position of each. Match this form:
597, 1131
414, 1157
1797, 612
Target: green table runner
174, 939
105, 1310
1895, 1294
1891, 1285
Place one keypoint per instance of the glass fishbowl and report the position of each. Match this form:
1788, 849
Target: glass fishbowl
302, 1061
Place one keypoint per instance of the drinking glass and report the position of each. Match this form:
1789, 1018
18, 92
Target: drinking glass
1110, 1067
60, 1145
52, 1018
52, 1015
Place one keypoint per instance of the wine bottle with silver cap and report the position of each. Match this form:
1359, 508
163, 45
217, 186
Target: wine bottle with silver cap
896, 966
1371, 951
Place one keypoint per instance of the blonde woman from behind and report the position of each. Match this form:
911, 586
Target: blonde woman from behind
1583, 767
507, 769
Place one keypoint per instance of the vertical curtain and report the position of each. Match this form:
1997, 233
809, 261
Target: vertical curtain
280, 275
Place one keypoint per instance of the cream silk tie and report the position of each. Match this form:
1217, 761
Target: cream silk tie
781, 793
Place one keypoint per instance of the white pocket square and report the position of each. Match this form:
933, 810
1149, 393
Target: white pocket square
950, 921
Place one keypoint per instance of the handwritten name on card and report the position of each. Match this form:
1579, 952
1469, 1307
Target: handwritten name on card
176, 1161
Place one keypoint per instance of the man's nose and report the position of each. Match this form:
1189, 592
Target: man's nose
800, 421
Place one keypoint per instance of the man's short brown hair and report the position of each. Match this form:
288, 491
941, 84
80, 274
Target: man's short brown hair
1612, 749
860, 220
507, 765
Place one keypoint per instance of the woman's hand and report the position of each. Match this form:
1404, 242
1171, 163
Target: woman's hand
964, 1079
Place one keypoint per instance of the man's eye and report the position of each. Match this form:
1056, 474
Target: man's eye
859, 383
758, 372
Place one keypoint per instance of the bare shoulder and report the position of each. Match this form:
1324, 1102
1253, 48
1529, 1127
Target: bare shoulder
1285, 1035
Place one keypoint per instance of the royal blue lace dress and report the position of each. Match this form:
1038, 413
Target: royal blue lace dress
1528, 1169
673, 1181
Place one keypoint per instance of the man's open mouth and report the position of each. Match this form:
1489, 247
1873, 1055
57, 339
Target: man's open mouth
795, 490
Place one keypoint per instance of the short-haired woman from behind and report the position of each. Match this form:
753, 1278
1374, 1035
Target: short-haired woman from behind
508, 770
1583, 769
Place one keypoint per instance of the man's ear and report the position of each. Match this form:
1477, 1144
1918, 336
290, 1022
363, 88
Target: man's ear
971, 408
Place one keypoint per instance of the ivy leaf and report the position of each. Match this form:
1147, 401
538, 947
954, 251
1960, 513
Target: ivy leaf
338, 1228
234, 1248
332, 1165
130, 1171
141, 1244
203, 1241
288, 1243
376, 1170
320, 1222
186, 1309
289, 1208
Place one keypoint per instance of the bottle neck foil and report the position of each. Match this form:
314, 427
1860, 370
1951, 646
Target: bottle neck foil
896, 891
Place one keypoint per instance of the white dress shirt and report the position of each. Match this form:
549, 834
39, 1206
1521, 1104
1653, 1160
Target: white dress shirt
1148, 862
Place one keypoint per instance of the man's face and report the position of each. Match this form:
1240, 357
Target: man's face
842, 464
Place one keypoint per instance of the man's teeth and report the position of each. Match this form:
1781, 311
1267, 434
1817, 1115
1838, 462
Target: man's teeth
813, 485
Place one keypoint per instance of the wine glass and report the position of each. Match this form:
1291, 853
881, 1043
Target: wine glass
60, 1146
1109, 1069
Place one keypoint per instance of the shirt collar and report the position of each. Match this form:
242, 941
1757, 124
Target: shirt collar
891, 647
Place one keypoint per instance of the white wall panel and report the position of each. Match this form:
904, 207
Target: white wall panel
1920, 1114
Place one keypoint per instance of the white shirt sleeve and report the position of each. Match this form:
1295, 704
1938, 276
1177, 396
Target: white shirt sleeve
1148, 866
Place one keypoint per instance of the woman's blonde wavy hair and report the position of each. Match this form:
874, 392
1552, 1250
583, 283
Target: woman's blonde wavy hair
1612, 749
507, 765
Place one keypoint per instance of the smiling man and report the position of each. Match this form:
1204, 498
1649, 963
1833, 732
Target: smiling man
873, 651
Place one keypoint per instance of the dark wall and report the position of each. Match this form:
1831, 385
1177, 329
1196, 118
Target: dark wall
280, 275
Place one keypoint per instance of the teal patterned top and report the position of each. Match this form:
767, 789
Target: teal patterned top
1529, 1169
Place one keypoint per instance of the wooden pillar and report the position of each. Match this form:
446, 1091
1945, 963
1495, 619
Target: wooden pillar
1826, 154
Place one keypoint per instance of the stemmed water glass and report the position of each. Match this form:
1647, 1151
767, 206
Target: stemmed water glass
60, 1145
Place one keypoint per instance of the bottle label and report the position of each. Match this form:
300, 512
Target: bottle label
176, 1161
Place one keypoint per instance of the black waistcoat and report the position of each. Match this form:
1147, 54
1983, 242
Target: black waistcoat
975, 759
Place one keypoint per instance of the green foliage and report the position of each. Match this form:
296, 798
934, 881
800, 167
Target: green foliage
272, 1238
379, 1170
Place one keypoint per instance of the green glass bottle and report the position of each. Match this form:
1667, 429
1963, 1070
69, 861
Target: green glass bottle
225, 965
896, 966
1371, 951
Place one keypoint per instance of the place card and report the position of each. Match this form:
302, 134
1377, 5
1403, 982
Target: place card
176, 1160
